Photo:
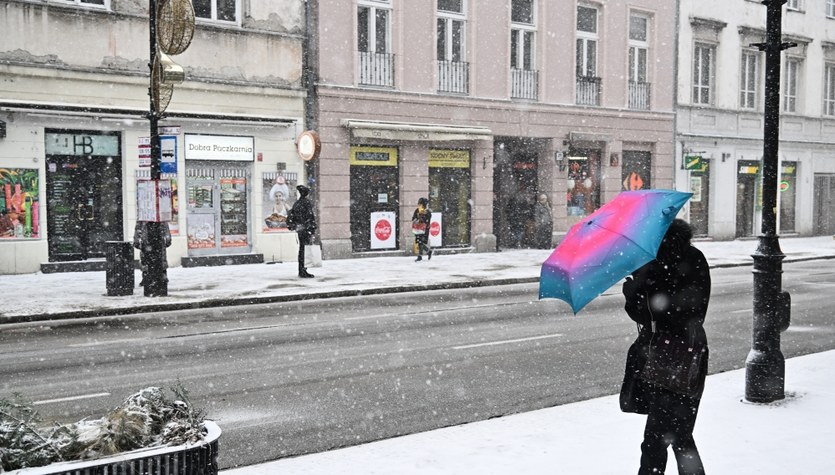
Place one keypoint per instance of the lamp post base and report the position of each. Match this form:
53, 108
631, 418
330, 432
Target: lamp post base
765, 376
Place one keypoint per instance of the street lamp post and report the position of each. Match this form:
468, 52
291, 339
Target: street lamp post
765, 366
156, 278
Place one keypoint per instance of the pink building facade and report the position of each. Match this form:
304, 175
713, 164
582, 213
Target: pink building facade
482, 107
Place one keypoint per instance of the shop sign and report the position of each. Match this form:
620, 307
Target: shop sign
693, 162
219, 147
373, 156
449, 159
170, 130
82, 144
383, 230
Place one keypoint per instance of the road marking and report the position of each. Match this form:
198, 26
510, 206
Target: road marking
744, 310
71, 398
504, 342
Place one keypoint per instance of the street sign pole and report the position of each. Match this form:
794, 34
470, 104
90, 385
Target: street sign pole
156, 279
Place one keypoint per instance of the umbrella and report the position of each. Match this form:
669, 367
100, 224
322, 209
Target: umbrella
608, 245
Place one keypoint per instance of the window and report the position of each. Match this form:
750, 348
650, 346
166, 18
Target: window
524, 79
792, 74
588, 82
830, 8
92, 3
453, 71
587, 41
829, 91
793, 5
703, 73
376, 64
450, 30
638, 53
217, 10
749, 74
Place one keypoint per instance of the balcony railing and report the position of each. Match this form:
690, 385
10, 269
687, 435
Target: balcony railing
376, 69
525, 84
588, 90
454, 77
639, 93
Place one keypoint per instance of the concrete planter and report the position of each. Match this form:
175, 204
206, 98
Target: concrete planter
190, 459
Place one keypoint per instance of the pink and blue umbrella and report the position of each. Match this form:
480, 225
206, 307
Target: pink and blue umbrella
608, 245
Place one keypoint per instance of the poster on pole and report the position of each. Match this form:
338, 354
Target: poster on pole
436, 230
383, 230
154, 200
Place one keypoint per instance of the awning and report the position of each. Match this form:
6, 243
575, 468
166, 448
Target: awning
369, 129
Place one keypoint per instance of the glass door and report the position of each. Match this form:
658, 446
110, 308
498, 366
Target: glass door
202, 210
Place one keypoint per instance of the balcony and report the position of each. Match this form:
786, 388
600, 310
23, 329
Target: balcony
639, 93
525, 84
454, 77
588, 90
376, 69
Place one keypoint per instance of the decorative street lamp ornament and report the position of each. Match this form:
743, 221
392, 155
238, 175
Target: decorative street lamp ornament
175, 26
161, 92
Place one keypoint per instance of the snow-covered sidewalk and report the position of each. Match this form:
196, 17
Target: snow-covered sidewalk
593, 437
40, 296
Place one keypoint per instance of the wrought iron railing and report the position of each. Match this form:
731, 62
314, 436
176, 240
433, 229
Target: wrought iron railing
639, 94
588, 90
525, 84
376, 69
454, 77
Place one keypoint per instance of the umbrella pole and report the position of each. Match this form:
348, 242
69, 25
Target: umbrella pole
765, 367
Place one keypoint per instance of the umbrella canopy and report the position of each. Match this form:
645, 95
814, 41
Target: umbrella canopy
608, 245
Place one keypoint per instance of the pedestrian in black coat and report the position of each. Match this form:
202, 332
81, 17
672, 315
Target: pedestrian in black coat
422, 217
674, 290
302, 220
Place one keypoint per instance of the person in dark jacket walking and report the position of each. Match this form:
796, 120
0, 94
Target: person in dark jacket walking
674, 291
421, 221
302, 220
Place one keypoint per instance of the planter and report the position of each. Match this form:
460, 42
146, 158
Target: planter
189, 459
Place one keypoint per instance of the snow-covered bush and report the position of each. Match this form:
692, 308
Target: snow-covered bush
146, 419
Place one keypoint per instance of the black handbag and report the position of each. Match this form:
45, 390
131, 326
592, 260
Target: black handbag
674, 362
633, 397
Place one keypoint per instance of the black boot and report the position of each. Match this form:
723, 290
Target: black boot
303, 273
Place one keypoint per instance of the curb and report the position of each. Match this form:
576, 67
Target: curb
232, 302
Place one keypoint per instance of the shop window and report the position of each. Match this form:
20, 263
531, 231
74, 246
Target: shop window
375, 191
449, 195
583, 182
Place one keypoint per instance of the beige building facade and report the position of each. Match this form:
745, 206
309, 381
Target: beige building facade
74, 133
482, 106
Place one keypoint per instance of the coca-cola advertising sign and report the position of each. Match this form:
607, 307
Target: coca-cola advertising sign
383, 230
436, 226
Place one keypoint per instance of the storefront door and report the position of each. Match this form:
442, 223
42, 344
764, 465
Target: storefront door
374, 188
787, 194
747, 183
218, 202
824, 204
449, 194
84, 193
583, 182
700, 202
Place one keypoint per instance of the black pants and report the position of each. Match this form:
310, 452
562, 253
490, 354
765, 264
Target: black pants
304, 239
670, 421
423, 244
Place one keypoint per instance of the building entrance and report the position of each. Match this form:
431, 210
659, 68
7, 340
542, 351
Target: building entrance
374, 188
83, 192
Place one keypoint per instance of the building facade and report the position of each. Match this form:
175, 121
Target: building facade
481, 106
719, 132
74, 134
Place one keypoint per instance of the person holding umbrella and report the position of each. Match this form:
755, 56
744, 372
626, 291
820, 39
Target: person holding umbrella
670, 296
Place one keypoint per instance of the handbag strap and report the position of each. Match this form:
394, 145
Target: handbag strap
653, 327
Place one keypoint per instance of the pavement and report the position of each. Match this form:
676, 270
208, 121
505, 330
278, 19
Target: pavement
40, 297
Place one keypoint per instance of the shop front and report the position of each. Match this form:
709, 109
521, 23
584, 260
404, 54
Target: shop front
83, 193
449, 195
375, 198
583, 182
218, 193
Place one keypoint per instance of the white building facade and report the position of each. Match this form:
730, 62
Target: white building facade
74, 133
719, 124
